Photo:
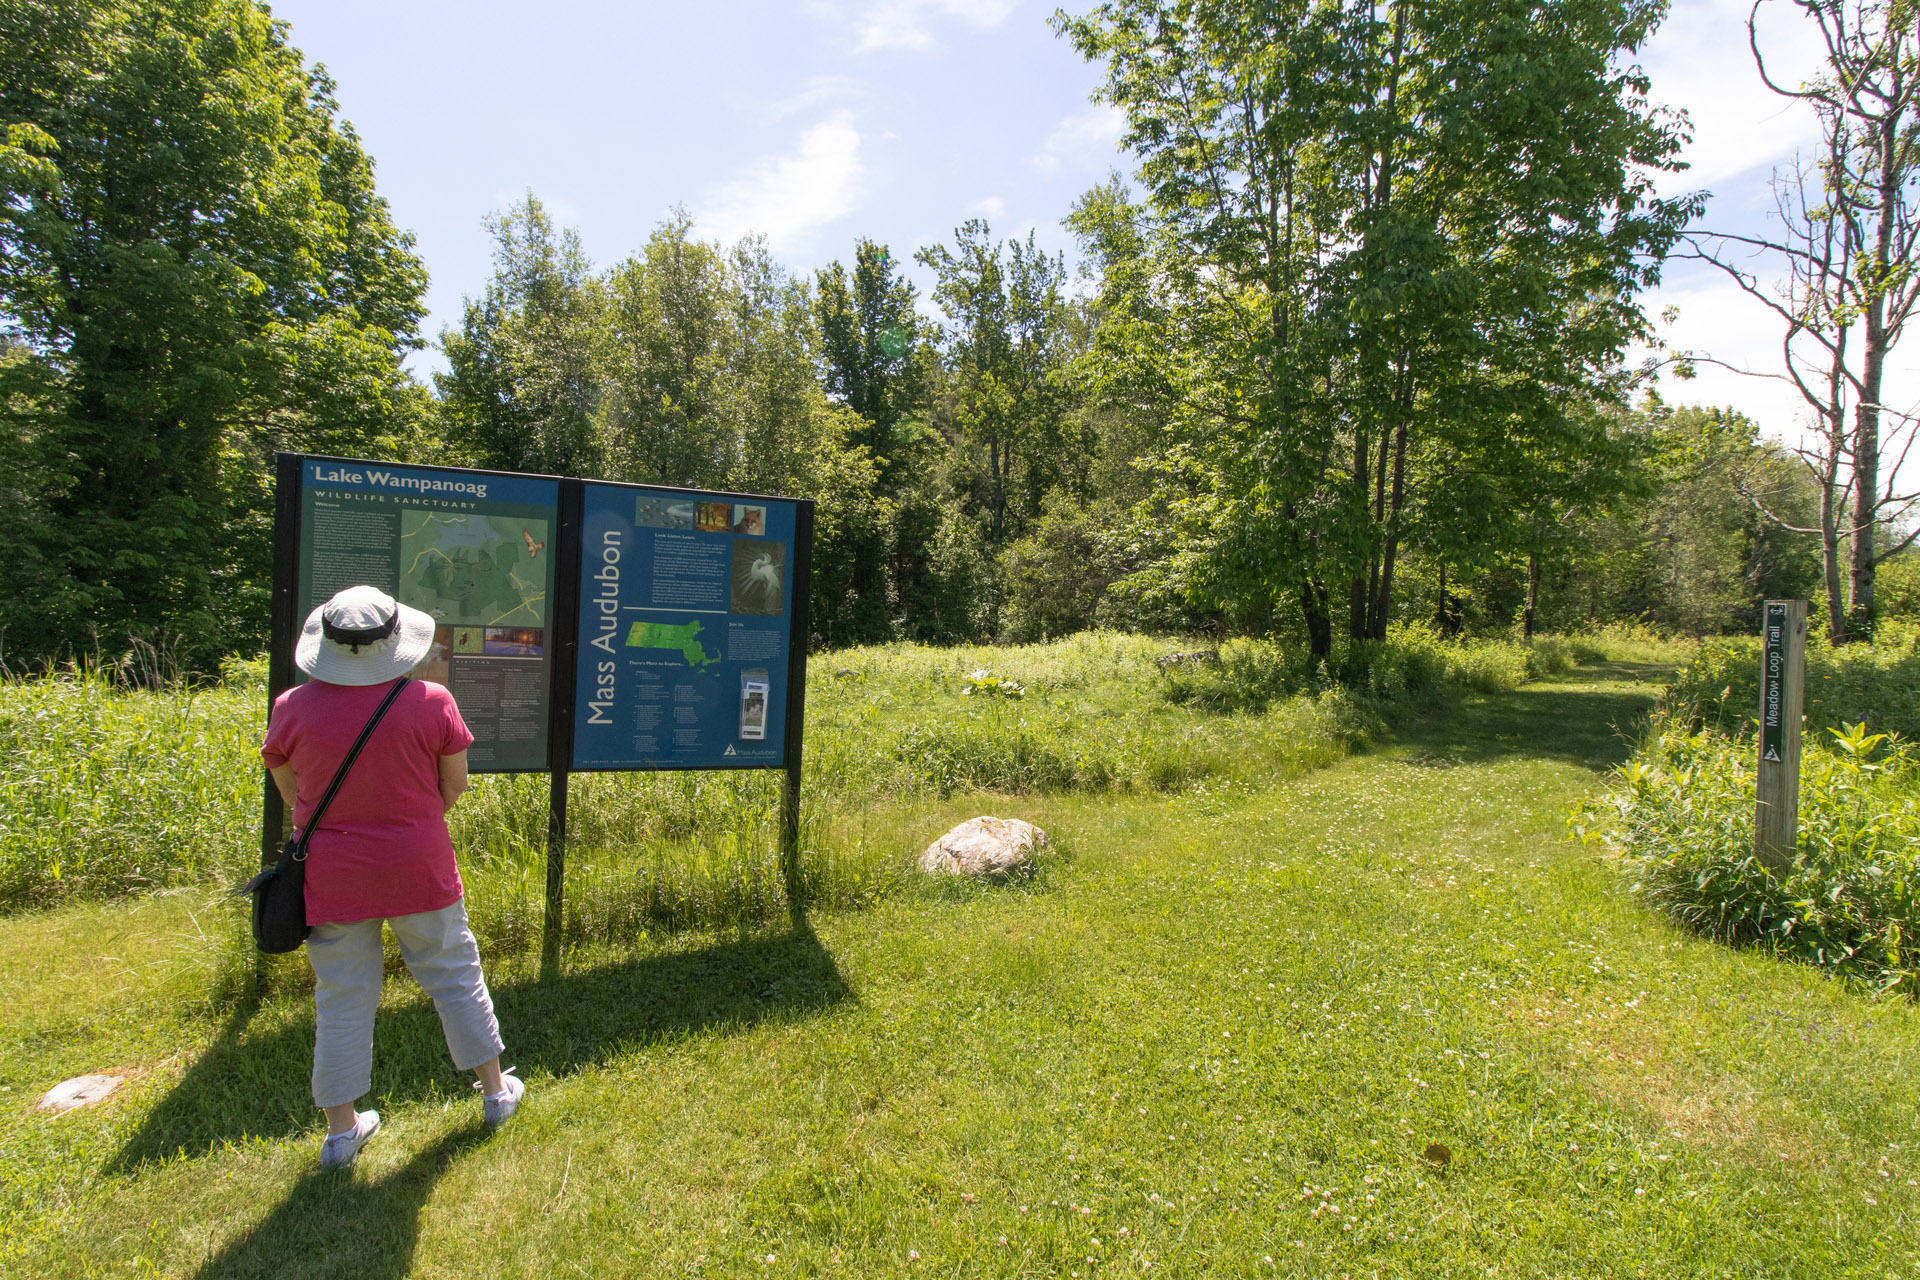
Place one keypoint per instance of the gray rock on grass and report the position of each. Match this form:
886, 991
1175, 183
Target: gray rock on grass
984, 846
81, 1091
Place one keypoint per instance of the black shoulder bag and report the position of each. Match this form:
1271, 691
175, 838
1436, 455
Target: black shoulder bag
280, 891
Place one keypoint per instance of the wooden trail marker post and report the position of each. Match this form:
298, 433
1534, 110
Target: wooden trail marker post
1783, 680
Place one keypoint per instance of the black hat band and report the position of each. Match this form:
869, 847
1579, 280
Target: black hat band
357, 636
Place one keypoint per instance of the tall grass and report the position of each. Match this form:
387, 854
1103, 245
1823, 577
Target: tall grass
1414, 666
1629, 642
106, 788
109, 788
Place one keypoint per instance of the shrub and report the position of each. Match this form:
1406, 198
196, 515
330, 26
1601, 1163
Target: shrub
1874, 684
1896, 588
1056, 576
1242, 675
1680, 817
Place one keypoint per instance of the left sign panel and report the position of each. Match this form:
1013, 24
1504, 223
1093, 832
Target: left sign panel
472, 548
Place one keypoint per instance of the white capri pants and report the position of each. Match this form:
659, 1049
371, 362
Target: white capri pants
347, 965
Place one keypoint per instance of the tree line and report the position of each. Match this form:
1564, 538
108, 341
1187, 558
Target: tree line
1349, 346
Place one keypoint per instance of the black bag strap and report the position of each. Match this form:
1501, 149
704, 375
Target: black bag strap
299, 851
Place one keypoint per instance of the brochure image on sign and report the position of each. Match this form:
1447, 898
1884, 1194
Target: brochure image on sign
759, 577
435, 666
753, 705
468, 568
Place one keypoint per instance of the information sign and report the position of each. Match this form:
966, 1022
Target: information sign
1773, 683
685, 635
475, 549
580, 624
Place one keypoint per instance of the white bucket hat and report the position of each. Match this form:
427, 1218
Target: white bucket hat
362, 636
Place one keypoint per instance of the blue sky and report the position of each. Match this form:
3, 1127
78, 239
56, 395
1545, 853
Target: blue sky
817, 121
809, 123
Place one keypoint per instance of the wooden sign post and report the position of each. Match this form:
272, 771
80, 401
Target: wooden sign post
1783, 679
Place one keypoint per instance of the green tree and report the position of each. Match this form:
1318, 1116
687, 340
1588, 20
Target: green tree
852, 534
874, 359
1382, 258
870, 340
673, 412
1694, 553
523, 370
1005, 394
195, 270
1056, 578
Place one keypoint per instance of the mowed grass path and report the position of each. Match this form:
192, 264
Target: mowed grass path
1210, 1022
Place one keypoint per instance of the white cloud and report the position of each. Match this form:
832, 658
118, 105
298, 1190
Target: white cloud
1716, 319
989, 208
761, 108
1699, 62
1082, 141
789, 198
909, 24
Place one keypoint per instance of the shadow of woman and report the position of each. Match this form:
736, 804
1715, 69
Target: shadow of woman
334, 1223
253, 1082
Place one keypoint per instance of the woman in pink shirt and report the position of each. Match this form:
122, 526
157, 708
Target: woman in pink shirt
381, 852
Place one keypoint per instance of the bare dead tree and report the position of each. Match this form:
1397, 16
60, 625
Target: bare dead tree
1840, 276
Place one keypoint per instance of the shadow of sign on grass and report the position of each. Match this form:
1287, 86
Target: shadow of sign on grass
254, 1084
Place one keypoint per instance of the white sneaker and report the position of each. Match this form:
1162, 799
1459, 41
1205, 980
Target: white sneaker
339, 1149
499, 1107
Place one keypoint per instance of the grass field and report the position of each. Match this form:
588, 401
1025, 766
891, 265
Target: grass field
1212, 1038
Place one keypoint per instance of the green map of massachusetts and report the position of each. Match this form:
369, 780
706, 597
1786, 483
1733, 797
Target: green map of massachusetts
683, 637
474, 570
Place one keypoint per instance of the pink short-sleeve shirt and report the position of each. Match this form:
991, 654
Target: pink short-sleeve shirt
382, 848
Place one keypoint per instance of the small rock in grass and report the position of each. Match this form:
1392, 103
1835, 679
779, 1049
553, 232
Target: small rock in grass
81, 1091
984, 846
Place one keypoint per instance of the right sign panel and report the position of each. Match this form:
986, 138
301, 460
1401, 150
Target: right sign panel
686, 607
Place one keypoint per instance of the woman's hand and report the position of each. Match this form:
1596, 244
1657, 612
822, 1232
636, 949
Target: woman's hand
453, 779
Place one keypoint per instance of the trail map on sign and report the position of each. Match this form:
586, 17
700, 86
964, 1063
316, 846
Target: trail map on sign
474, 569
682, 637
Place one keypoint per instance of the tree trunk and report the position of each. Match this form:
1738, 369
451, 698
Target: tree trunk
1866, 414
1830, 566
1395, 501
1360, 588
1313, 605
1533, 594
1444, 616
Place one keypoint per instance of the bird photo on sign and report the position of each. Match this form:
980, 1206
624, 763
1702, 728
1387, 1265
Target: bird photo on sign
759, 577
